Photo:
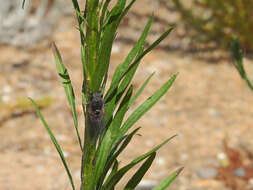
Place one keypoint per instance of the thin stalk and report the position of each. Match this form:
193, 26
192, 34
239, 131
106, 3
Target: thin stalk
92, 36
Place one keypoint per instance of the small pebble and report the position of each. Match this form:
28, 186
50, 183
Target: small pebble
146, 185
7, 89
47, 151
66, 154
115, 48
160, 161
222, 157
5, 98
251, 181
214, 113
40, 169
62, 138
77, 174
184, 157
149, 143
207, 173
240, 172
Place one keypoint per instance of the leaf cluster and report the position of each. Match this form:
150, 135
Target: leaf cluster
100, 167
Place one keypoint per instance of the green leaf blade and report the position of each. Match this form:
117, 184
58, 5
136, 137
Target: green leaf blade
143, 108
113, 155
63, 73
55, 142
237, 54
118, 175
138, 93
123, 67
127, 79
103, 153
166, 182
135, 180
127, 8
146, 51
108, 33
113, 94
117, 120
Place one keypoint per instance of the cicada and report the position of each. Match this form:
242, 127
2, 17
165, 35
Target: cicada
96, 115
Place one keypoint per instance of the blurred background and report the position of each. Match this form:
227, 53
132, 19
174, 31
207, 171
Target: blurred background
209, 106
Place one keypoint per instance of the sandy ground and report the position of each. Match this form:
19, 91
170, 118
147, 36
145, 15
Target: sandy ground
207, 103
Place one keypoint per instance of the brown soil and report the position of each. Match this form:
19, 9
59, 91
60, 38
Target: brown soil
207, 103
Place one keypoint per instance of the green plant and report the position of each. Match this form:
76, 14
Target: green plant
237, 55
219, 21
105, 132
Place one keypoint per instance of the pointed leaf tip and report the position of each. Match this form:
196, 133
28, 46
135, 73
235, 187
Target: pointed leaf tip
167, 181
179, 170
55, 142
54, 48
53, 44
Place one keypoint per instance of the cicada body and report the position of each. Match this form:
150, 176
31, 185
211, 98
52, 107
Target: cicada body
96, 114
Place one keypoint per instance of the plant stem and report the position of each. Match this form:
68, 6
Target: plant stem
92, 37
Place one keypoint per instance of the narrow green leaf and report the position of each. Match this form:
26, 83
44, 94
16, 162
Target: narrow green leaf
123, 67
122, 147
102, 155
115, 166
127, 8
80, 20
138, 93
143, 108
85, 72
113, 155
113, 94
112, 103
129, 73
76, 5
166, 182
117, 120
108, 140
103, 14
56, 144
112, 173
104, 82
115, 127
116, 146
107, 37
106, 170
110, 107
152, 46
135, 180
114, 13
63, 73
124, 70
79, 14
119, 174
127, 79
237, 54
